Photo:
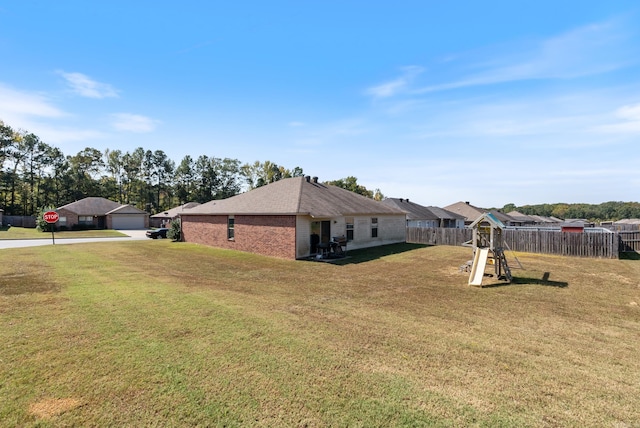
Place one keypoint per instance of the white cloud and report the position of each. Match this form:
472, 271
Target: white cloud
15, 104
133, 123
396, 86
630, 112
588, 50
87, 87
629, 124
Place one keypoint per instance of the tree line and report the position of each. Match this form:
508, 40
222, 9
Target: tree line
606, 211
35, 175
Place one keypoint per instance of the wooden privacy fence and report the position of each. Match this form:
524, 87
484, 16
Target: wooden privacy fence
605, 244
19, 221
586, 244
629, 241
438, 235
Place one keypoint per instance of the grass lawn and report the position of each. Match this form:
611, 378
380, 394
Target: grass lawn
12, 232
156, 333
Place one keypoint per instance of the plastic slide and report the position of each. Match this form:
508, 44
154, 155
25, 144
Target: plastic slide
479, 264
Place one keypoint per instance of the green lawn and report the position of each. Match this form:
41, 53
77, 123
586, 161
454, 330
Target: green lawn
157, 333
12, 232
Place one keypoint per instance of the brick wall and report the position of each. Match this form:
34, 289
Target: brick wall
268, 235
72, 218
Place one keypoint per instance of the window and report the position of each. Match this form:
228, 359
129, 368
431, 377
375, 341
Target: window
62, 221
230, 228
374, 227
349, 221
85, 219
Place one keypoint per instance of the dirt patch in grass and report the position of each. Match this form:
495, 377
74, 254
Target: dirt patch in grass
26, 277
50, 407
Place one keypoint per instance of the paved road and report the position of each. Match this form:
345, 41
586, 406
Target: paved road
19, 243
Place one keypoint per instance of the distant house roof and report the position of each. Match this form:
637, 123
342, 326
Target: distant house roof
100, 206
505, 218
298, 195
174, 212
126, 209
445, 214
91, 206
543, 219
521, 218
466, 210
471, 213
414, 211
627, 221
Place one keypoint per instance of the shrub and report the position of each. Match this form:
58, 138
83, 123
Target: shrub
174, 230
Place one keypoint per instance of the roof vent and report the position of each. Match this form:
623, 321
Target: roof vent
401, 200
407, 200
314, 179
308, 178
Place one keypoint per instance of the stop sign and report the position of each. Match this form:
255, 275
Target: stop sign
50, 216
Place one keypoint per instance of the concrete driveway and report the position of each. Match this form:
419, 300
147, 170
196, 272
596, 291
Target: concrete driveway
135, 234
20, 243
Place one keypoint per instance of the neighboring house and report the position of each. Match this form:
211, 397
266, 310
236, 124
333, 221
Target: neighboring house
466, 210
164, 218
290, 217
520, 219
1, 212
448, 218
546, 221
417, 215
471, 213
421, 216
101, 213
627, 224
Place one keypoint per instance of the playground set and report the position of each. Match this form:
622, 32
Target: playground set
488, 248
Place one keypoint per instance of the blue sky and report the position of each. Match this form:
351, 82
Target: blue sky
489, 102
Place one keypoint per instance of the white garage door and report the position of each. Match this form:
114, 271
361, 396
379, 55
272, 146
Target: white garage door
127, 221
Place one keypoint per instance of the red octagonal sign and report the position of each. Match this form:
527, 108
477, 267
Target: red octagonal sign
50, 216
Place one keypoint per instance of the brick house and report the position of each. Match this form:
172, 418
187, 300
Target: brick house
101, 213
291, 218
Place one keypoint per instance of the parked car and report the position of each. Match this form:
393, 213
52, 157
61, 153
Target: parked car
157, 233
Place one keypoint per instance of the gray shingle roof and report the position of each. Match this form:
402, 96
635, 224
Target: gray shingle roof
444, 214
296, 196
127, 209
91, 206
174, 212
471, 213
466, 210
414, 211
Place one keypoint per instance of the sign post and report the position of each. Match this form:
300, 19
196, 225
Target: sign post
51, 217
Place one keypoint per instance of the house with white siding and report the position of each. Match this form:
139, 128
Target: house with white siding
292, 218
